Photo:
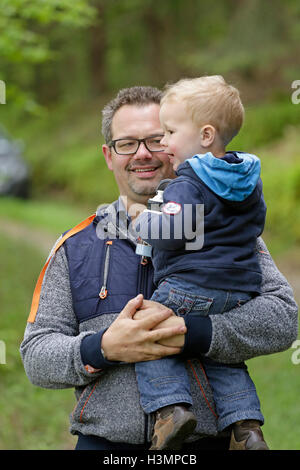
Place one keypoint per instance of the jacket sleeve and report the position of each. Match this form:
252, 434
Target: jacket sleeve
51, 348
266, 324
179, 222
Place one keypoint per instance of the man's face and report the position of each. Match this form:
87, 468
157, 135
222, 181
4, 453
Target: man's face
137, 175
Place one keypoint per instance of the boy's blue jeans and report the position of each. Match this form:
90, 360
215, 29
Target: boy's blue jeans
165, 381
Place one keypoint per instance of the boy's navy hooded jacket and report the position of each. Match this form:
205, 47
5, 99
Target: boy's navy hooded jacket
224, 197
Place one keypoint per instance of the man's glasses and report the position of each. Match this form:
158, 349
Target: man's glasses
131, 146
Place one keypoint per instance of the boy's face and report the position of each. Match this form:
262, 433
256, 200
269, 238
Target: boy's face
182, 138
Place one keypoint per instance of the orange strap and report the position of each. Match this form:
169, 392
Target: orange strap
38, 287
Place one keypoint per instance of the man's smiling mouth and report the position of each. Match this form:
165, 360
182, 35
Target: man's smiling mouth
147, 169
138, 170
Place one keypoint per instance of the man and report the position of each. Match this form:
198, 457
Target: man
88, 325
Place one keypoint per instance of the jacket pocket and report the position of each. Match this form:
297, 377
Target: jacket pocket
183, 303
82, 406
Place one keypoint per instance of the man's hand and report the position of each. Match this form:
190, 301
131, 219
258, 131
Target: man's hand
134, 340
172, 321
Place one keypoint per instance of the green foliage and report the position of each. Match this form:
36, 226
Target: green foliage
54, 49
281, 178
24, 41
264, 123
21, 39
64, 150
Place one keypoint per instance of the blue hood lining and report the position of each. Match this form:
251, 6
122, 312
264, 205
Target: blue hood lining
231, 181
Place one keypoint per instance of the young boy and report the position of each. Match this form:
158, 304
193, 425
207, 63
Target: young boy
211, 266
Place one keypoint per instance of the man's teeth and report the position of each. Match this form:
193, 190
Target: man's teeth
144, 169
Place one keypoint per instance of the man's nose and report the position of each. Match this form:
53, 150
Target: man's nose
142, 152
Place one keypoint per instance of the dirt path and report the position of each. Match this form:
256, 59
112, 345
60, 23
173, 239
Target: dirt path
38, 238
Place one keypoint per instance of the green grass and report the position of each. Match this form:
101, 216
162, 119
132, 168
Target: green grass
277, 382
31, 418
52, 215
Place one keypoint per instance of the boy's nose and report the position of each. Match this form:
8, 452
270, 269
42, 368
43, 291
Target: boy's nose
163, 141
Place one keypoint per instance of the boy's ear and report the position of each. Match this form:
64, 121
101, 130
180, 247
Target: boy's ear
208, 134
107, 155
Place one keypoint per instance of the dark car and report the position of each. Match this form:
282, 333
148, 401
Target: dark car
14, 171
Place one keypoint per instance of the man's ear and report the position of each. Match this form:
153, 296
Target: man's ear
107, 155
208, 134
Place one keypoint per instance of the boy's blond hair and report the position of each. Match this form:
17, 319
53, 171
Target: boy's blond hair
209, 100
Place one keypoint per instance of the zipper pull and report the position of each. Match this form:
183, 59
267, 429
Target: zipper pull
144, 260
103, 292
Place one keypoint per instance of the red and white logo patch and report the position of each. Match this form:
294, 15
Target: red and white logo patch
172, 208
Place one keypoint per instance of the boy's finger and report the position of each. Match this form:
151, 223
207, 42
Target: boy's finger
164, 333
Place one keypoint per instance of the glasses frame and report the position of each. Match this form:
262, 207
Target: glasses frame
113, 144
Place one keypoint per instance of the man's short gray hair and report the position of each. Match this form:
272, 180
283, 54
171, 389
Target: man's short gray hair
137, 95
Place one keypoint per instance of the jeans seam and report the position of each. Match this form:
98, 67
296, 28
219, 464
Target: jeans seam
237, 396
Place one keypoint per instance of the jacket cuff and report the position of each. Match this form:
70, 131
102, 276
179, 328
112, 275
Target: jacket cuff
198, 336
91, 353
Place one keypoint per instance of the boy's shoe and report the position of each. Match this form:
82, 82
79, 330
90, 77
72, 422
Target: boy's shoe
247, 435
173, 424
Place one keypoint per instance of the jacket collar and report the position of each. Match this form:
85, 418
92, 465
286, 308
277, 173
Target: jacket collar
116, 222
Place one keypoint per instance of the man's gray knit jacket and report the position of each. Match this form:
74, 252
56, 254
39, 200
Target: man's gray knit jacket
108, 400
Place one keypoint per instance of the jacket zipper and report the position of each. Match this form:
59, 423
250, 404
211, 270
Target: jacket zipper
143, 288
143, 277
144, 267
103, 291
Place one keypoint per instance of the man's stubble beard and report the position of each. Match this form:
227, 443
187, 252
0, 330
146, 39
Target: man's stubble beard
140, 190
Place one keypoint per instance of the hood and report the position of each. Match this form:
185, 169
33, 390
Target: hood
233, 177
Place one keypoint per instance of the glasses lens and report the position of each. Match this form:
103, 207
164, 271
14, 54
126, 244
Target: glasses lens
126, 146
153, 143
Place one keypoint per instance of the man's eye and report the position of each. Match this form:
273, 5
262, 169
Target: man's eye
126, 144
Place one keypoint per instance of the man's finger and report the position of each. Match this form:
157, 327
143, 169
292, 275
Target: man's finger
131, 307
155, 317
